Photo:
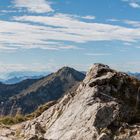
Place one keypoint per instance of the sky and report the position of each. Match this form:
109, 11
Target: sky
45, 35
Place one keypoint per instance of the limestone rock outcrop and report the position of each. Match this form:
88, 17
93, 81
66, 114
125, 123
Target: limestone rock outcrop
105, 106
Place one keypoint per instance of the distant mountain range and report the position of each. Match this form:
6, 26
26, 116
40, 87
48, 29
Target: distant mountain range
26, 96
16, 77
137, 75
16, 80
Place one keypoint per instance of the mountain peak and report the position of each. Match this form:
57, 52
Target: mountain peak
70, 72
97, 70
66, 69
97, 67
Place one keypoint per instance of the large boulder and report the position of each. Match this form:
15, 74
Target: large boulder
105, 106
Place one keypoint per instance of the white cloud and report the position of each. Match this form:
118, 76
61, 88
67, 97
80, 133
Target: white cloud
34, 6
21, 67
72, 17
113, 20
98, 54
53, 32
127, 43
133, 23
49, 65
7, 49
71, 29
134, 5
25, 36
88, 17
8, 11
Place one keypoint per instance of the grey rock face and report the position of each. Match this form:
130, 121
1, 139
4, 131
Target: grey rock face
102, 108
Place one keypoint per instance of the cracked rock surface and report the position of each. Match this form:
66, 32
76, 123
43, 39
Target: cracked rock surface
106, 106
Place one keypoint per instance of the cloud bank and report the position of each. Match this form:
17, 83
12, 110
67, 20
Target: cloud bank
34, 6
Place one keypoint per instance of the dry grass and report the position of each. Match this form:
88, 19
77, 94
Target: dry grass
11, 120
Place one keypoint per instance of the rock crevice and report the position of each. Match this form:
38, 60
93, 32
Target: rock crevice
102, 108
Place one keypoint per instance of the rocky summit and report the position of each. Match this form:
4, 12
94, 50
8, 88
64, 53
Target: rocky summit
105, 106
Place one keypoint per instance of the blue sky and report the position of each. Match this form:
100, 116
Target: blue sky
44, 35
